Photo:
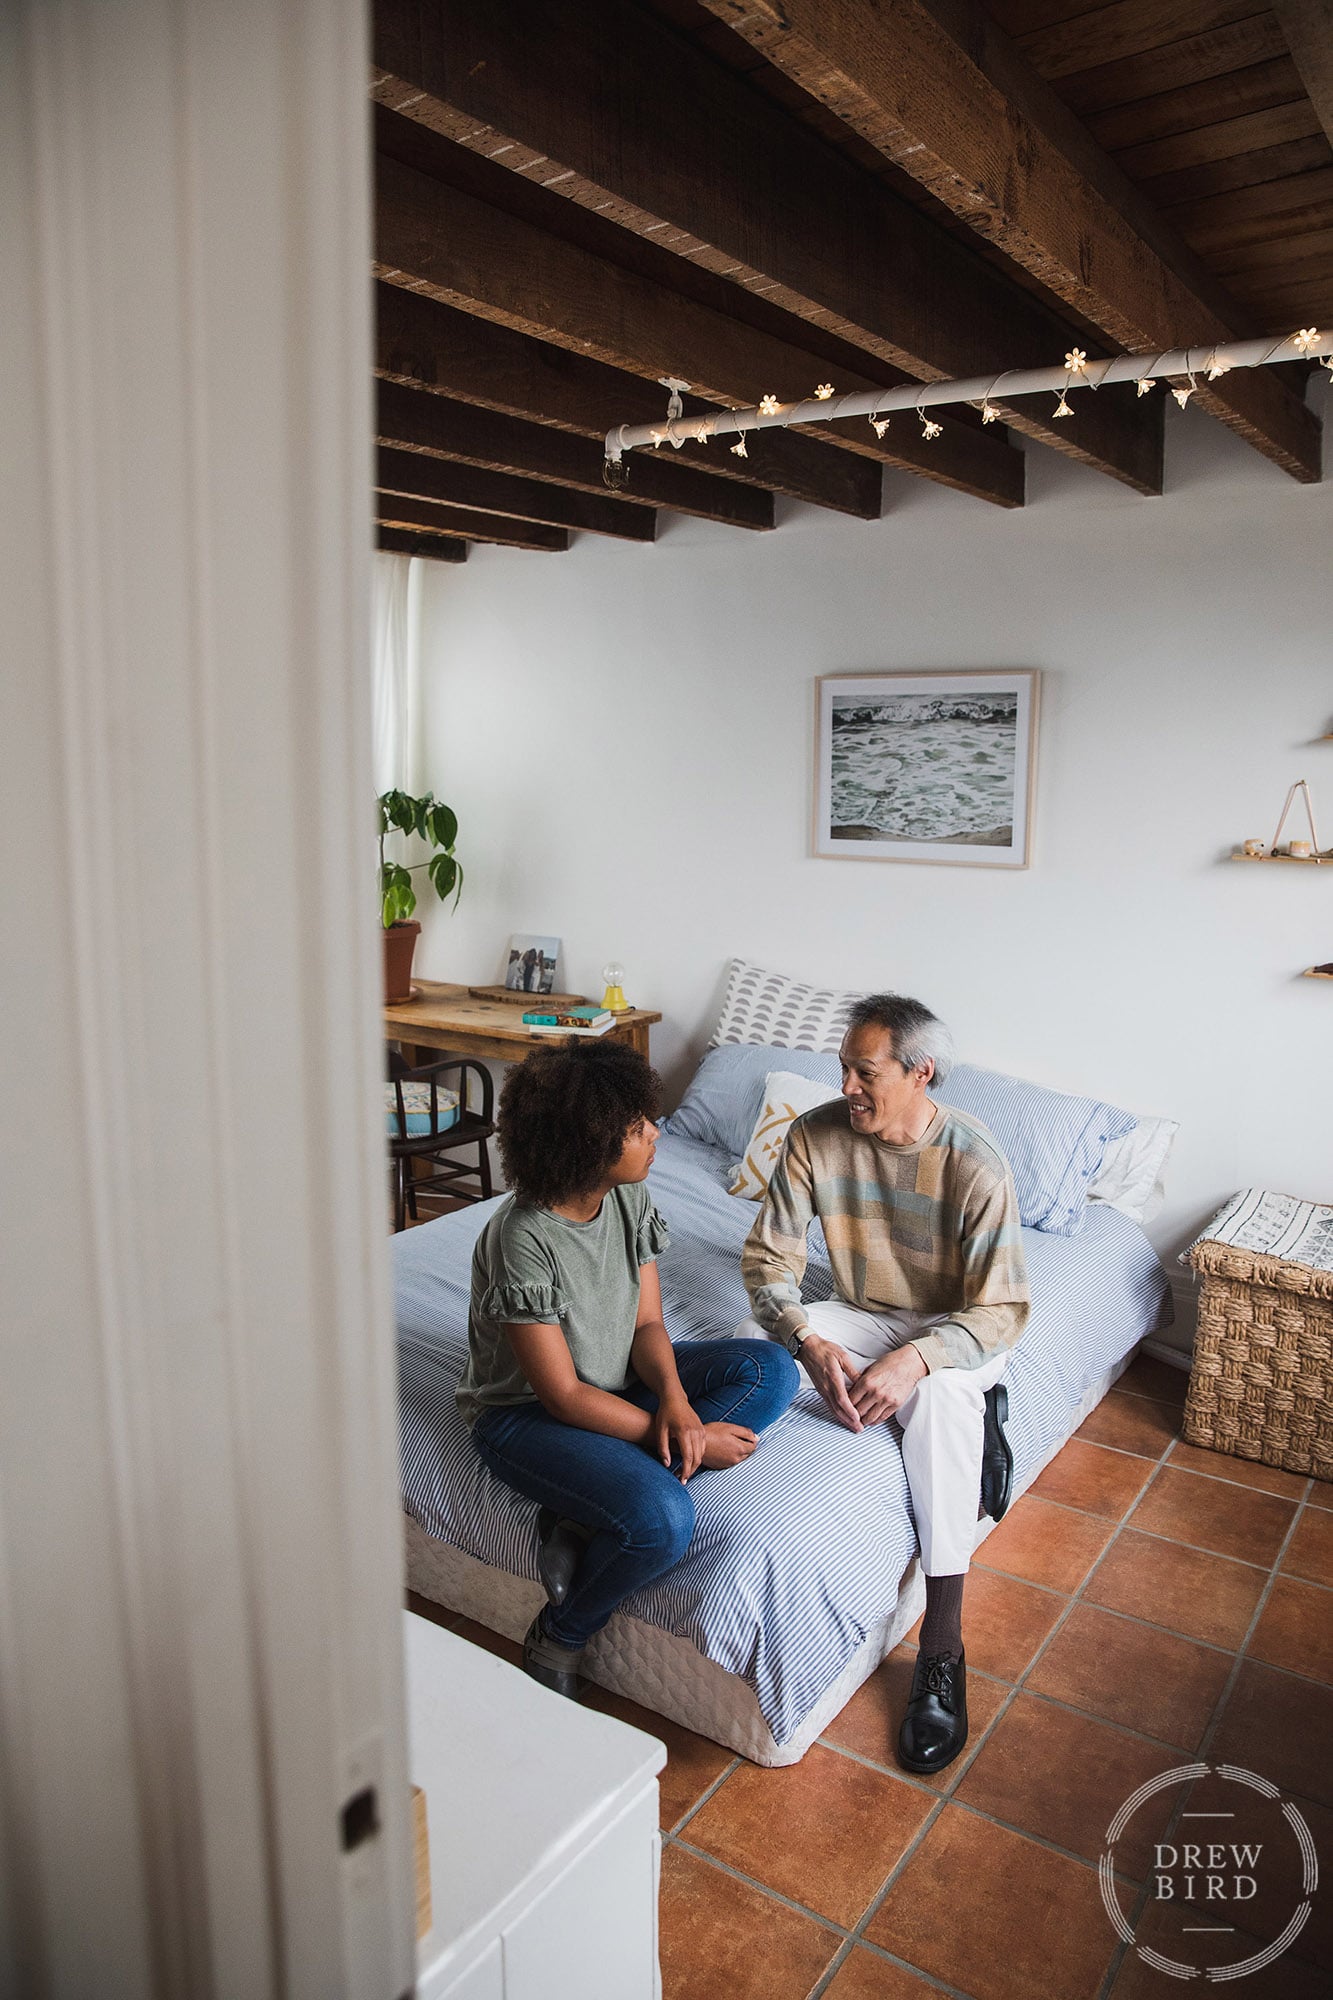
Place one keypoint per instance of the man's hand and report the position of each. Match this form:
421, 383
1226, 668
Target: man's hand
886, 1384
678, 1433
727, 1444
830, 1368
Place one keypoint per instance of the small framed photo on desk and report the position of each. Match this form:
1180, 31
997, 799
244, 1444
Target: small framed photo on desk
530, 965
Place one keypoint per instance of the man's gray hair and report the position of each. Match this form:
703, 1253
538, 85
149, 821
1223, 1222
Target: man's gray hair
918, 1035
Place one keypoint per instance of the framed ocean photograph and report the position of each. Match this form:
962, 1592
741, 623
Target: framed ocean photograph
926, 767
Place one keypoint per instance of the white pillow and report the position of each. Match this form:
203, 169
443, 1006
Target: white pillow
1130, 1176
785, 1098
762, 1006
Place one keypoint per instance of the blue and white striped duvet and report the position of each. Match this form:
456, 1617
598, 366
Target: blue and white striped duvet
799, 1552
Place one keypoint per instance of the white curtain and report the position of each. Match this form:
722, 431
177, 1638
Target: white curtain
398, 731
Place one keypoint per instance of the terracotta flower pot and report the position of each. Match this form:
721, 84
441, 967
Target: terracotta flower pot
400, 941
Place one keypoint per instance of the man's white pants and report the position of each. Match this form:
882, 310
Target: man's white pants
943, 1424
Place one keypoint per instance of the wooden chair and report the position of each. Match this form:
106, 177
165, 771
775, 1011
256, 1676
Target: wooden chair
435, 1129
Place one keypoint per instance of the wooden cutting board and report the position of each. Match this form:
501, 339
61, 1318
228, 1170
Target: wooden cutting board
530, 1002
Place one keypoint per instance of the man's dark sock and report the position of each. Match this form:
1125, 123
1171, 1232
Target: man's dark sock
942, 1626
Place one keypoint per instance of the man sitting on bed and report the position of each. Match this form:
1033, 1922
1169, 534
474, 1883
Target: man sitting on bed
921, 1221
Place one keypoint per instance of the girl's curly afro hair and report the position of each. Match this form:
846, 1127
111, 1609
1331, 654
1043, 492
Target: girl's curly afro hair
565, 1114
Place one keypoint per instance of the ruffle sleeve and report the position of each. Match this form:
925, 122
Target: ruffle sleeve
521, 1303
654, 1236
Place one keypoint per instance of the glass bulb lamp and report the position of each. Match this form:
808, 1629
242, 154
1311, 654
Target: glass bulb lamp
613, 973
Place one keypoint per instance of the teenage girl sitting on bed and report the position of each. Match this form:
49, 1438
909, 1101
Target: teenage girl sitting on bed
574, 1394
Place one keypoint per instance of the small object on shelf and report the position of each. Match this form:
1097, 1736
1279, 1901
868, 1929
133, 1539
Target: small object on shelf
1319, 971
613, 999
1254, 848
1299, 850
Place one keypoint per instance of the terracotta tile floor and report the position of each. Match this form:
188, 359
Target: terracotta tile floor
1144, 1605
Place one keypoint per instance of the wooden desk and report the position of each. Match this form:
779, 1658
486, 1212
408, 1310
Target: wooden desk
445, 1017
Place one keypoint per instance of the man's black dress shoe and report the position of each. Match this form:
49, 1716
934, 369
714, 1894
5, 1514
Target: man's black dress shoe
997, 1460
934, 1729
556, 1667
560, 1546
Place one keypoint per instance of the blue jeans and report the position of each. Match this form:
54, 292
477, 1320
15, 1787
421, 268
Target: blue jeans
641, 1515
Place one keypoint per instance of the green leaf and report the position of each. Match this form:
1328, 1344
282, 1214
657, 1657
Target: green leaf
443, 873
443, 826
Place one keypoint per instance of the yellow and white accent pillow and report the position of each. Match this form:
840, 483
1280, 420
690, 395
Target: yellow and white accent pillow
785, 1098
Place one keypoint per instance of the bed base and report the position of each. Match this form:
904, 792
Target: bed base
670, 1675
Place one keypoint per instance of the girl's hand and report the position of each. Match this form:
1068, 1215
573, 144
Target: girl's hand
727, 1444
678, 1433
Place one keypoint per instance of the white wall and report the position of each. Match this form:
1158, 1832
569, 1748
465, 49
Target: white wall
626, 734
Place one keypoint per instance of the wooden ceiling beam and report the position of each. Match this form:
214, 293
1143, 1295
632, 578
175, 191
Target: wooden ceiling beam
609, 108
418, 476
423, 344
1308, 28
417, 421
940, 91
396, 510
436, 239
435, 548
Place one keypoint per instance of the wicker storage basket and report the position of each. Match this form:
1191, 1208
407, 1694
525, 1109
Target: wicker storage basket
1262, 1381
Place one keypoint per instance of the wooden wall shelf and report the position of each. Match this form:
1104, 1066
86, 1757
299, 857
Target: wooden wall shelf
1313, 972
1301, 860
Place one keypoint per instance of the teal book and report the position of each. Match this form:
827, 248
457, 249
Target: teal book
566, 1017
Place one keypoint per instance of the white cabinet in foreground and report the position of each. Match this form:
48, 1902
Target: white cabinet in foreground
544, 1845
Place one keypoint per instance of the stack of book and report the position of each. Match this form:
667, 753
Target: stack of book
569, 1020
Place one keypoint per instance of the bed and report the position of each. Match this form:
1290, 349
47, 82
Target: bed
803, 1572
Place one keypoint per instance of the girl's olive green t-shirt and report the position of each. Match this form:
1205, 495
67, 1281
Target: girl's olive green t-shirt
531, 1265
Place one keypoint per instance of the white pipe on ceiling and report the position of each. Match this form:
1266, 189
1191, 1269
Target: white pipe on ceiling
1074, 377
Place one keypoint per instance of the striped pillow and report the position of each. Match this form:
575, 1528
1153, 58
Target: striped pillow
766, 1007
1053, 1142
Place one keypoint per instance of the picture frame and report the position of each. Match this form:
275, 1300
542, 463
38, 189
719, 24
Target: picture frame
530, 963
936, 767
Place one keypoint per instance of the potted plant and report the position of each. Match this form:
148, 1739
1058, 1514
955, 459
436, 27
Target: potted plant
437, 824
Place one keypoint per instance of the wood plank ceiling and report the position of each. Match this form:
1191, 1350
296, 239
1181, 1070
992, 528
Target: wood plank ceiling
575, 198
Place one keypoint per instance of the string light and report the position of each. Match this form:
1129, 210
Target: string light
1213, 364
929, 428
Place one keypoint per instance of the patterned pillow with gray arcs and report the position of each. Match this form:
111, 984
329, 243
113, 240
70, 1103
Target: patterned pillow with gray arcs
768, 1008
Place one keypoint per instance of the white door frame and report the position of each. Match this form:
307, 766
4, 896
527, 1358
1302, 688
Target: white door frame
200, 1570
